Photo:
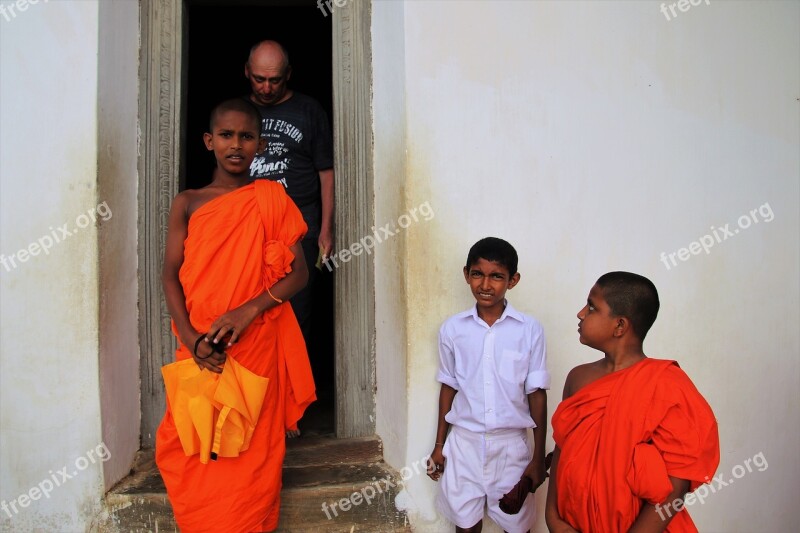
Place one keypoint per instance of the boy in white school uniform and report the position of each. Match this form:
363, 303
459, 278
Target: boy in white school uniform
492, 367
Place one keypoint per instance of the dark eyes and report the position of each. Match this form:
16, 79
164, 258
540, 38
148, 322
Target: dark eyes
479, 275
227, 134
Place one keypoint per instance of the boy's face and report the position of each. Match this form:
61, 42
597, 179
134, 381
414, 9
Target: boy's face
235, 141
597, 324
489, 281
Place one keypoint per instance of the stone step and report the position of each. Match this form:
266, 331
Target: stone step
329, 485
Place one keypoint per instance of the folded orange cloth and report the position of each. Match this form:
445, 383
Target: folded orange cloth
622, 436
237, 247
214, 413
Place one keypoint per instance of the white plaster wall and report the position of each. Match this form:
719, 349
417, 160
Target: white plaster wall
390, 203
49, 399
595, 136
117, 145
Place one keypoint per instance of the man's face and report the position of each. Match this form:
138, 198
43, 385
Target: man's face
268, 82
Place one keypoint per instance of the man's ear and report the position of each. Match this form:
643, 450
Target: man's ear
262, 145
466, 274
247, 70
207, 140
288, 73
513, 280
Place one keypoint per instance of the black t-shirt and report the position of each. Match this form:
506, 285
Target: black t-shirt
299, 145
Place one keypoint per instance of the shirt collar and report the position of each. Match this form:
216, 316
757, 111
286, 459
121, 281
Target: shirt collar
509, 311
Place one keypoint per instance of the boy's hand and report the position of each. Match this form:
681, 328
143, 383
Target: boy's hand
537, 473
232, 323
208, 358
512, 501
436, 463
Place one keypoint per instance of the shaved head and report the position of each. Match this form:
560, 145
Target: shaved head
239, 105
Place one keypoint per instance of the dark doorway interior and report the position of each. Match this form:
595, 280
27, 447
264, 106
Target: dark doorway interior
218, 40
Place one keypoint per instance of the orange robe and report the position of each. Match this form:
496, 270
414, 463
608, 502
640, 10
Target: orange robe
237, 246
621, 436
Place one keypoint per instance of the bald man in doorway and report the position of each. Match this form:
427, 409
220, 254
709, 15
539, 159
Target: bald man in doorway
299, 155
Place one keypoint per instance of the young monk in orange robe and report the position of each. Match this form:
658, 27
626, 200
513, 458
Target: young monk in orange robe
633, 435
243, 378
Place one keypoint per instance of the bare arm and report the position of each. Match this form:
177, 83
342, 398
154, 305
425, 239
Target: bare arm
537, 403
656, 518
436, 463
326, 227
173, 260
203, 354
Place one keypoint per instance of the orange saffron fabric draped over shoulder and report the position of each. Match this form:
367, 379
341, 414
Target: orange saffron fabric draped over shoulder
622, 436
238, 246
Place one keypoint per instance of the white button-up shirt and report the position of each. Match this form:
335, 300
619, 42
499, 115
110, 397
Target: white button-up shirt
492, 368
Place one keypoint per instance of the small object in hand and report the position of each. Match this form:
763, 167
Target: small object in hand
512, 502
321, 258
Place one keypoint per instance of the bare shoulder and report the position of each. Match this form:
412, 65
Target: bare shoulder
191, 200
582, 375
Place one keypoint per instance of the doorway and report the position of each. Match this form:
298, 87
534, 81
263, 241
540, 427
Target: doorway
331, 59
218, 42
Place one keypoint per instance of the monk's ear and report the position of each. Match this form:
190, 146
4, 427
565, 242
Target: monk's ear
207, 139
622, 326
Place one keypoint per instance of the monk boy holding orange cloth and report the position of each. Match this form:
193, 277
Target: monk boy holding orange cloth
632, 434
242, 375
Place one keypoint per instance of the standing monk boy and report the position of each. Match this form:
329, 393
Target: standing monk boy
633, 435
242, 375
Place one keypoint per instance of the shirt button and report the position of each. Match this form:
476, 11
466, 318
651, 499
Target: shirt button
489, 411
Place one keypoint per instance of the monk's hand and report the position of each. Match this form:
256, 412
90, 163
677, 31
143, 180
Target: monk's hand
512, 501
207, 357
231, 325
436, 463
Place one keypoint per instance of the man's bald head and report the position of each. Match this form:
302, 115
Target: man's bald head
268, 52
268, 70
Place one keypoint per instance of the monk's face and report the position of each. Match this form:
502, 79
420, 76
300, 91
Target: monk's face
235, 139
489, 281
596, 323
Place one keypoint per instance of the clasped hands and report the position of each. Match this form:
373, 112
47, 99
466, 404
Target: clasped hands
209, 348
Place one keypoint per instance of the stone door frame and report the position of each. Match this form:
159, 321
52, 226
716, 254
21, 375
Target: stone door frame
161, 114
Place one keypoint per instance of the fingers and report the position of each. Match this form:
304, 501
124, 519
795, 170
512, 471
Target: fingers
225, 335
208, 358
512, 501
435, 469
